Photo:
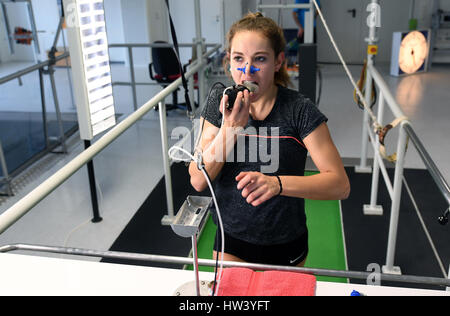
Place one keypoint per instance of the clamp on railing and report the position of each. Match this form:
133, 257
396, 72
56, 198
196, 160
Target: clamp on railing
382, 136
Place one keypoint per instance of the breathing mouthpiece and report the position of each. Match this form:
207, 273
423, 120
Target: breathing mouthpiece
234, 90
251, 86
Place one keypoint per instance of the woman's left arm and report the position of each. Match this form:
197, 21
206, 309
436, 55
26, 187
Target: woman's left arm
330, 184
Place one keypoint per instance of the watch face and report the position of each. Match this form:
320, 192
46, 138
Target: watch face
413, 52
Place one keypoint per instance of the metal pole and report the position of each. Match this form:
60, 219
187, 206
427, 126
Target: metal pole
309, 24
363, 167
226, 264
167, 219
69, 77
148, 45
191, 88
429, 163
282, 6
44, 108
388, 97
384, 172
395, 208
376, 166
27, 70
51, 72
58, 32
199, 40
133, 79
411, 9
33, 27
91, 174
5, 171
195, 255
374, 209
8, 29
448, 274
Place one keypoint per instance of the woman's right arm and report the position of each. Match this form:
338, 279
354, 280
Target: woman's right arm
212, 164
216, 143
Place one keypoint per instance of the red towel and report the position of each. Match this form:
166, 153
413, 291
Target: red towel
246, 282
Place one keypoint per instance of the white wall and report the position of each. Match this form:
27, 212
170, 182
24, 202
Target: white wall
183, 15
135, 29
234, 10
394, 17
423, 11
135, 21
46, 15
4, 50
114, 29
144, 21
282, 16
18, 16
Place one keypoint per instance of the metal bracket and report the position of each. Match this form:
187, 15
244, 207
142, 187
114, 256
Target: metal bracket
187, 223
363, 169
393, 270
191, 215
373, 210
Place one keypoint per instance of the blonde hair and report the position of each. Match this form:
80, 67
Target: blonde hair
255, 21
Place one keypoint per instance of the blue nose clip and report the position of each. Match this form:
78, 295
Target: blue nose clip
252, 69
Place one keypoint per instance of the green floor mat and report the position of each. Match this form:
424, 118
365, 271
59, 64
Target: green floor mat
326, 244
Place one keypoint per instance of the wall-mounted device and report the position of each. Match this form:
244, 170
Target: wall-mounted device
410, 52
189, 222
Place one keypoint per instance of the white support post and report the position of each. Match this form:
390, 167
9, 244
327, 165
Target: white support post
395, 208
199, 40
363, 167
448, 275
191, 88
167, 219
309, 24
373, 208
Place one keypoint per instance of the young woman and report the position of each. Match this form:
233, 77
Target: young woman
263, 212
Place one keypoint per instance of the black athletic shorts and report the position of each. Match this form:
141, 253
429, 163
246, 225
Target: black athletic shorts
288, 254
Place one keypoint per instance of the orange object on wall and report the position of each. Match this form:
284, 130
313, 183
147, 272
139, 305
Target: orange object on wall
23, 36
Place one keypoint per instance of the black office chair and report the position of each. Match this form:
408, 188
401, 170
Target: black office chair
166, 71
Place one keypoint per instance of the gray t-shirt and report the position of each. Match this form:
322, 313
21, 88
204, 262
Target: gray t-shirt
274, 147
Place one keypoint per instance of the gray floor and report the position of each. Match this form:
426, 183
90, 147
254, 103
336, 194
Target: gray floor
132, 165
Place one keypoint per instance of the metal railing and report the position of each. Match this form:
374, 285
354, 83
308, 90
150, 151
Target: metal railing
11, 215
7, 179
167, 219
309, 15
379, 277
406, 132
133, 83
394, 188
